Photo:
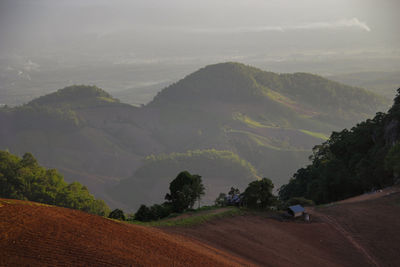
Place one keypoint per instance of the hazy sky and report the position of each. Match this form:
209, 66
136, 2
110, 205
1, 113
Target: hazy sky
185, 29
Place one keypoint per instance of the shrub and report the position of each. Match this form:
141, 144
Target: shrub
117, 214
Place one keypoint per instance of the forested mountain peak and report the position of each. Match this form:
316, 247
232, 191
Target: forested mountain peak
224, 82
238, 83
75, 95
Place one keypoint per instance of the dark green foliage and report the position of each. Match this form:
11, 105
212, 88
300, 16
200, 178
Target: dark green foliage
160, 211
24, 179
117, 214
392, 160
259, 194
143, 214
155, 212
351, 162
185, 190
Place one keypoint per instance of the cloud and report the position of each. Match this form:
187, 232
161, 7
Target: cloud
343, 23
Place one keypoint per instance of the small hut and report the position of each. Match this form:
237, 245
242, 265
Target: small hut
296, 211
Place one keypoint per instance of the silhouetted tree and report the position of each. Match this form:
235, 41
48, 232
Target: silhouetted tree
258, 194
117, 214
185, 190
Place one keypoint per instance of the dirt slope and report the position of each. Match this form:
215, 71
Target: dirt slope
373, 223
268, 242
362, 231
37, 235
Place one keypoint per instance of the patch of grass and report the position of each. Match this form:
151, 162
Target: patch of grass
107, 99
193, 220
248, 121
315, 134
22, 202
279, 98
203, 208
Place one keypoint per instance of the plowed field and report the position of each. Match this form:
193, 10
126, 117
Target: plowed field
364, 231
37, 235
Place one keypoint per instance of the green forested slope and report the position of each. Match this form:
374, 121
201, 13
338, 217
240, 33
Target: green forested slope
351, 162
23, 178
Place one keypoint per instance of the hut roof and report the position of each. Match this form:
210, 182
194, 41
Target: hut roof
296, 208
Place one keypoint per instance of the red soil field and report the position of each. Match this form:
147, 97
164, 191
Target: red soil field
373, 223
364, 231
32, 234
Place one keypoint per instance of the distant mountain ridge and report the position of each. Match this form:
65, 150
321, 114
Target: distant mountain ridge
269, 120
300, 92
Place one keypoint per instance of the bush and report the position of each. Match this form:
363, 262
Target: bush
155, 212
117, 214
143, 214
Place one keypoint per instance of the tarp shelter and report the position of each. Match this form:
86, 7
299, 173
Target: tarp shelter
296, 210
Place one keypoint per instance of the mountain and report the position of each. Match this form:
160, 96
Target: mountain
82, 131
269, 120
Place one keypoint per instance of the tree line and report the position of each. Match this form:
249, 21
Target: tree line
351, 162
187, 189
24, 179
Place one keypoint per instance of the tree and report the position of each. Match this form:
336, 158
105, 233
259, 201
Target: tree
143, 214
185, 190
154, 212
258, 194
117, 214
234, 191
221, 200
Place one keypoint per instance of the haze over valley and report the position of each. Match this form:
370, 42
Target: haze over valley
194, 133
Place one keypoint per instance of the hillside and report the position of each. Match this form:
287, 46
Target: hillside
270, 120
33, 234
338, 235
352, 162
361, 232
23, 178
299, 96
